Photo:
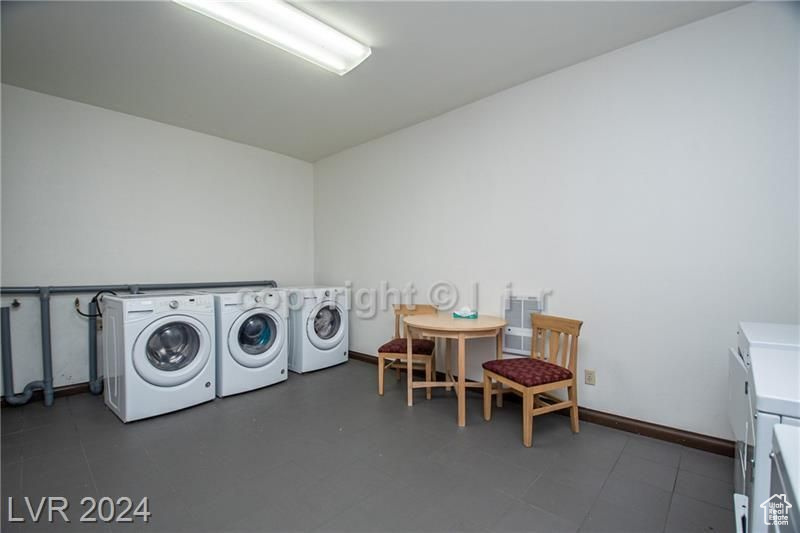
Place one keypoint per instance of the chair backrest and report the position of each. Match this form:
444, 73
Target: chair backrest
555, 340
401, 310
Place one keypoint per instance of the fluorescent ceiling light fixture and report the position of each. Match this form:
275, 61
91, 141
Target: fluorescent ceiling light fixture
283, 25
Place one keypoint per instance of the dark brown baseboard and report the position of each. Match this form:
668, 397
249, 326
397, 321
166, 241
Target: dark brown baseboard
631, 425
657, 431
358, 356
58, 392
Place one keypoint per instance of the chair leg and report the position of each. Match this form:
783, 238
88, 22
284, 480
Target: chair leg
428, 368
499, 394
397, 371
487, 397
527, 419
381, 371
573, 411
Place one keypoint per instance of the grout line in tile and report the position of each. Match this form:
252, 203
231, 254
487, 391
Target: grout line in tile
669, 508
89, 466
596, 498
21, 474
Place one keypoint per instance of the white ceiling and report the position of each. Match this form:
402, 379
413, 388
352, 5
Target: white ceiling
161, 61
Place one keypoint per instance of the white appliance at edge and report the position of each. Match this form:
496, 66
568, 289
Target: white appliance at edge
252, 329
158, 353
764, 391
318, 324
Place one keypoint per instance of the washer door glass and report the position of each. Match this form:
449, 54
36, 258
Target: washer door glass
257, 337
172, 350
325, 326
257, 334
327, 322
173, 346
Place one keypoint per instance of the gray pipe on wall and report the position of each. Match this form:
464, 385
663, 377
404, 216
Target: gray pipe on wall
8, 370
47, 347
135, 287
95, 383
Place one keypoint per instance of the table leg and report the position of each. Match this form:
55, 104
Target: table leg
462, 387
409, 367
499, 356
448, 353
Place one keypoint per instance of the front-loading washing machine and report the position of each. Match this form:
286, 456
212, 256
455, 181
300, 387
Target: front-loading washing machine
158, 353
252, 329
762, 393
318, 324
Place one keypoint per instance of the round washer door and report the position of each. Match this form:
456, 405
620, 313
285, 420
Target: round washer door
325, 325
171, 350
256, 337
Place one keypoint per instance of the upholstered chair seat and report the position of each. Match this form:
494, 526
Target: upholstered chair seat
528, 372
418, 346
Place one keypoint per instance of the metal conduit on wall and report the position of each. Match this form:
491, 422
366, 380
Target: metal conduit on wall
44, 293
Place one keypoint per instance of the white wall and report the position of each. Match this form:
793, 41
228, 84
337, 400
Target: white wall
91, 196
654, 188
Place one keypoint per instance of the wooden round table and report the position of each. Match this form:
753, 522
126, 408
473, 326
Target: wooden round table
444, 326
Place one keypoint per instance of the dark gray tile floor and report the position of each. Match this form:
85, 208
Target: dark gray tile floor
322, 452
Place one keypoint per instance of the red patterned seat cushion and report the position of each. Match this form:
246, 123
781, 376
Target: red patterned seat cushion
528, 372
418, 346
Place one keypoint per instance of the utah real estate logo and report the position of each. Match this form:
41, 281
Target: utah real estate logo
776, 510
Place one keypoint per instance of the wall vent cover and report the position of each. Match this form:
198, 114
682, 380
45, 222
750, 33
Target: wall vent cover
517, 312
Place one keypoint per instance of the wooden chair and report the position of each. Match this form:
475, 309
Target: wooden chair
395, 352
552, 365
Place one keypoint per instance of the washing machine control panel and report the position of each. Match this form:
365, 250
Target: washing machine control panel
269, 298
171, 303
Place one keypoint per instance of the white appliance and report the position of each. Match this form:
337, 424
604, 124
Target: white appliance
157, 351
252, 330
785, 478
318, 324
764, 390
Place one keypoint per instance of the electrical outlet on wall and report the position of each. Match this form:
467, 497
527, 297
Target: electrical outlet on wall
589, 377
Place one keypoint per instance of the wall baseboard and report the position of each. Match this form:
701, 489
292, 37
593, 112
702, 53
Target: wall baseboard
631, 425
358, 356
